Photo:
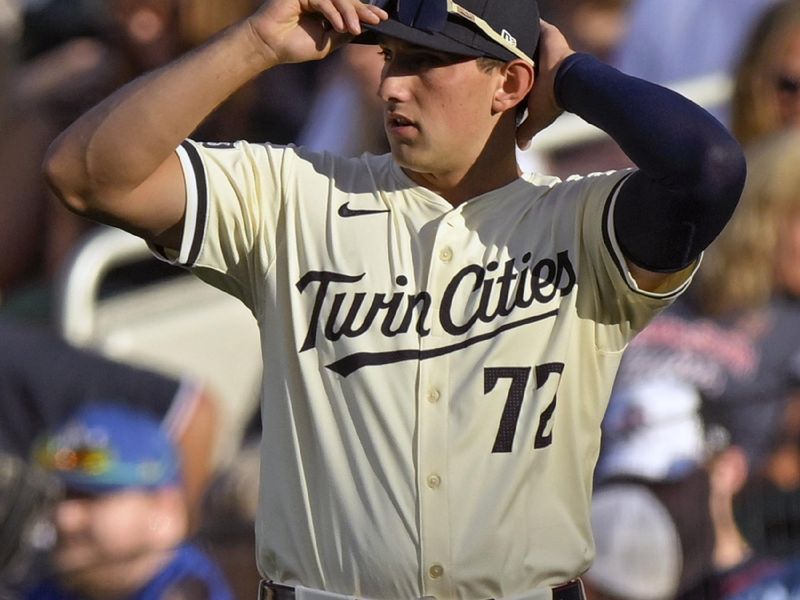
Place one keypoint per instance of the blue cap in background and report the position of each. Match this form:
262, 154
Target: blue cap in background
106, 447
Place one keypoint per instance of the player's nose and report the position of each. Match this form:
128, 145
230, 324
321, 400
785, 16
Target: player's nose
394, 87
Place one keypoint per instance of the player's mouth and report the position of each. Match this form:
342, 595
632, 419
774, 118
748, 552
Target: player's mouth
399, 125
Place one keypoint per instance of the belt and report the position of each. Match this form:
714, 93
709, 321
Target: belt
269, 590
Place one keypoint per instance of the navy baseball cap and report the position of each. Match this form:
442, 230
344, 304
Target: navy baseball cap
107, 447
501, 29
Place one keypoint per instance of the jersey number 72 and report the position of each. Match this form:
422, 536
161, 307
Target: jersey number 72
504, 441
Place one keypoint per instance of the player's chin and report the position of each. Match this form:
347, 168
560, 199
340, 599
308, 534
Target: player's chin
409, 156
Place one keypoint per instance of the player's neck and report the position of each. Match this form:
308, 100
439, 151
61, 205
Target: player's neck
491, 170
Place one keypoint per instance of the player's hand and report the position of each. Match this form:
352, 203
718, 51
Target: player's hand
301, 30
542, 106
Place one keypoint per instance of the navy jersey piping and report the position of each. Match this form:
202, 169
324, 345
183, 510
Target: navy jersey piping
202, 201
606, 235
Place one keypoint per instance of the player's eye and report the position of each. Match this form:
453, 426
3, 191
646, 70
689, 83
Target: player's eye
426, 59
386, 53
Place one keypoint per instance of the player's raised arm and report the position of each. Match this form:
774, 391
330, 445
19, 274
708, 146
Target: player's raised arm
117, 165
690, 169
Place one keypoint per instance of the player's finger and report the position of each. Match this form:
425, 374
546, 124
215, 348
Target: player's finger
352, 11
369, 13
333, 19
358, 12
345, 16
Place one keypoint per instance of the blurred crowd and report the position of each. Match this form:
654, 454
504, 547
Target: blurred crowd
108, 485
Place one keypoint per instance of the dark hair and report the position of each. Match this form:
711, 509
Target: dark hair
489, 64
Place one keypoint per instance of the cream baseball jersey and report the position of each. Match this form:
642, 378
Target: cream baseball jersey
434, 377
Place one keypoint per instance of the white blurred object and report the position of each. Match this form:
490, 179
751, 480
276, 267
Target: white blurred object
638, 548
653, 430
178, 327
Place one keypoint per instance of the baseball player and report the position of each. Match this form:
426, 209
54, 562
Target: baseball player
440, 331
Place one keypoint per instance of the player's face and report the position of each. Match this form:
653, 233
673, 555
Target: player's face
787, 79
437, 108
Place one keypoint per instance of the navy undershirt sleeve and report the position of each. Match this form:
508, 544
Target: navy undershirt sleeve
690, 169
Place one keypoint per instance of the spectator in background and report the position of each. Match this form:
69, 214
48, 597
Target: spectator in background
733, 337
742, 570
640, 543
655, 538
49, 91
758, 243
593, 26
733, 343
43, 379
122, 526
738, 569
695, 38
766, 96
652, 471
769, 506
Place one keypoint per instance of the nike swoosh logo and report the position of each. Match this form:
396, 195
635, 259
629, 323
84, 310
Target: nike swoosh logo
346, 212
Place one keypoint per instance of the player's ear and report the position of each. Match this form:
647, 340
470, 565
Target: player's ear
515, 84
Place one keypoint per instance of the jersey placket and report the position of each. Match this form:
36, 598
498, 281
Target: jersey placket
433, 405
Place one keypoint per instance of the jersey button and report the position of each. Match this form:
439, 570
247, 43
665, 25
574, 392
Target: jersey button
446, 255
433, 396
434, 481
436, 571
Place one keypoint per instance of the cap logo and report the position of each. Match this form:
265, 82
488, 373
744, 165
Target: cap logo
462, 12
509, 38
77, 448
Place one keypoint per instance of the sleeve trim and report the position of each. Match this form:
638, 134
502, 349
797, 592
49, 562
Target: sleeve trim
608, 229
196, 214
